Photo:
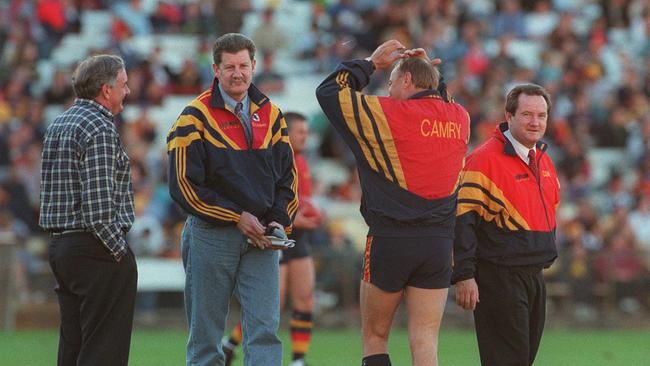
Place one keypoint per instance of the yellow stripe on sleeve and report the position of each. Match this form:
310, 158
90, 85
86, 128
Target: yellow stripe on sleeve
369, 133
275, 112
292, 207
342, 79
192, 198
183, 141
348, 113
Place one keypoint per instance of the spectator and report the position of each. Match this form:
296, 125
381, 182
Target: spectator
620, 265
268, 80
639, 221
134, 16
187, 80
269, 36
60, 91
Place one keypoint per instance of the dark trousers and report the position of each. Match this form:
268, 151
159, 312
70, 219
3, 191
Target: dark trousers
510, 316
96, 299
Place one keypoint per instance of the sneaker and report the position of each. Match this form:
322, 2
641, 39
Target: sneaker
230, 355
278, 238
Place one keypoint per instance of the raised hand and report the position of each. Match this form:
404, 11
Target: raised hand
421, 53
387, 53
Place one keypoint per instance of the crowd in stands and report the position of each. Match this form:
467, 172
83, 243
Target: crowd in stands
591, 55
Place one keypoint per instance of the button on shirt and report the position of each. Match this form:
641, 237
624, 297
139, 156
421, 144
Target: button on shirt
231, 103
85, 176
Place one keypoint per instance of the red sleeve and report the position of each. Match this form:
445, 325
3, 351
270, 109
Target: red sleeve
304, 178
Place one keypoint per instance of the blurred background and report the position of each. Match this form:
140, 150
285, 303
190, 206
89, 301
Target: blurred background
591, 55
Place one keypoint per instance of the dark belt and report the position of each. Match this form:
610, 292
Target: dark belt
60, 233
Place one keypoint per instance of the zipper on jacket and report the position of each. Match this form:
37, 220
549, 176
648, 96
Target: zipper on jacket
538, 179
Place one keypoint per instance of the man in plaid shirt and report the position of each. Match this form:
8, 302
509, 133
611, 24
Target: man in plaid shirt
87, 206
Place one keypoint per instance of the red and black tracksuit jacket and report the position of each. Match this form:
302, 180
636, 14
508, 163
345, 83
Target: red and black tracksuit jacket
215, 174
505, 215
409, 152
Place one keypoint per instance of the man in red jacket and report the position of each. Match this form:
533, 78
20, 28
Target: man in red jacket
409, 149
505, 231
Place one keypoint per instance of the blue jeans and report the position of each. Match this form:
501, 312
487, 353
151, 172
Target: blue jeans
219, 263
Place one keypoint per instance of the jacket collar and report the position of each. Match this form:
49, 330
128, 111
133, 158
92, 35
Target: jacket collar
256, 97
429, 93
508, 149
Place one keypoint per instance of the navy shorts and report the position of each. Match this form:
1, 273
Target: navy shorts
302, 248
392, 263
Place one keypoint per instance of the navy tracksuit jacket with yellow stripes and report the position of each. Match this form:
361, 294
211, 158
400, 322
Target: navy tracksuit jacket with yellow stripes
215, 174
505, 215
409, 152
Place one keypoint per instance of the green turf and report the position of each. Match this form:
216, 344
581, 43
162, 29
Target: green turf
335, 348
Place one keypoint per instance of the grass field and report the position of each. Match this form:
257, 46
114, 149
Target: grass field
342, 348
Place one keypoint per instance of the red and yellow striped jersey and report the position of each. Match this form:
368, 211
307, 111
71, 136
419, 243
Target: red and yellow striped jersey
214, 174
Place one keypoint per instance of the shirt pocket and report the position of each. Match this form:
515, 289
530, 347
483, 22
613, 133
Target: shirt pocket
122, 158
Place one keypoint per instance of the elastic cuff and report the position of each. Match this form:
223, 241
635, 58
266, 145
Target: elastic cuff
461, 277
371, 63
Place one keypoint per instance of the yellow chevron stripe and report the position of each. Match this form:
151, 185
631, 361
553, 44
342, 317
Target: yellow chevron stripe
477, 194
474, 193
192, 198
189, 120
183, 141
183, 122
252, 107
204, 110
348, 114
275, 112
387, 138
277, 137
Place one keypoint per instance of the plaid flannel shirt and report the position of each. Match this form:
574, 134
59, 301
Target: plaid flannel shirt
86, 177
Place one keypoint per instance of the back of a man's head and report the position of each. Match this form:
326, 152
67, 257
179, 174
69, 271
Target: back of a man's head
232, 43
423, 74
292, 117
93, 72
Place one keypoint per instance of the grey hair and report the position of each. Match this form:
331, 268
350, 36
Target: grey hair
95, 71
